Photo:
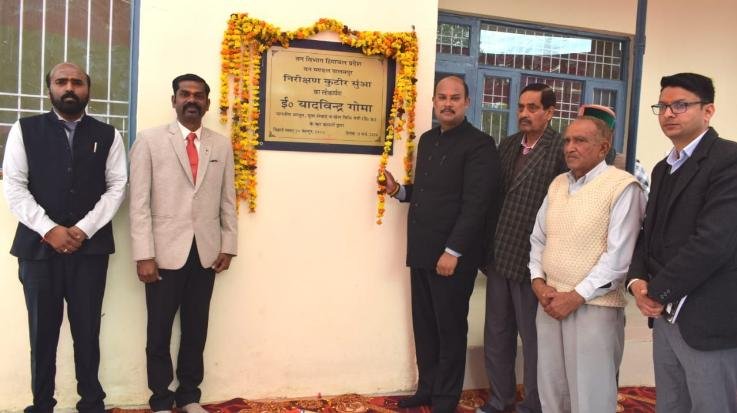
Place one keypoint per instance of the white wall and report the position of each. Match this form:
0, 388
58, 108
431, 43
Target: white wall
318, 298
683, 36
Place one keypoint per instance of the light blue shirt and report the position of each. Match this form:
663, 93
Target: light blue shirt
676, 158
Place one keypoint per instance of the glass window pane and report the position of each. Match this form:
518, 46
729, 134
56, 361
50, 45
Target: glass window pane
495, 106
605, 97
496, 93
453, 39
568, 94
543, 51
95, 34
495, 124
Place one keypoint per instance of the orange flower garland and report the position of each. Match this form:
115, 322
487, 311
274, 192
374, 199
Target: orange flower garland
244, 42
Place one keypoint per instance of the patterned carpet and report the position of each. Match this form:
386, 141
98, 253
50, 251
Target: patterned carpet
631, 400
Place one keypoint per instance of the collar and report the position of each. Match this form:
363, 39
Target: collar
454, 129
685, 153
590, 175
185, 131
523, 141
58, 116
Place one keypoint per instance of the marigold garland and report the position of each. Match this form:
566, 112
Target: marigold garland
244, 42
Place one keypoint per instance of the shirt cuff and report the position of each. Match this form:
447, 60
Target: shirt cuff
453, 253
632, 281
401, 194
46, 226
85, 227
585, 290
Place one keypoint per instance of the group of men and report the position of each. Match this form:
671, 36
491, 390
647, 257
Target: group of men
65, 175
561, 236
558, 233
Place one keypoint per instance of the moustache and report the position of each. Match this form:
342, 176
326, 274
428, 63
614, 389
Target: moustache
192, 105
448, 110
70, 94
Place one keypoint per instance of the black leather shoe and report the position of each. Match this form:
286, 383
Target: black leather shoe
414, 401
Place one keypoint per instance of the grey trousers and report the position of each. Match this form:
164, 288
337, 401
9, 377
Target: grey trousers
511, 307
578, 359
690, 380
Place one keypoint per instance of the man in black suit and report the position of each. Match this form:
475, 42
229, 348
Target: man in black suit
530, 159
456, 185
684, 269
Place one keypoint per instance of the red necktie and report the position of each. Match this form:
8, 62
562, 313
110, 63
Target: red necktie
192, 154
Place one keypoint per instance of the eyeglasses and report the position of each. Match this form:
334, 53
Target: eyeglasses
675, 107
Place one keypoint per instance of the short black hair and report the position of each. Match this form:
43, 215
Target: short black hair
48, 79
189, 76
547, 97
697, 84
465, 86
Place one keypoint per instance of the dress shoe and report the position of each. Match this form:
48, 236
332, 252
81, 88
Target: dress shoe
489, 409
193, 408
414, 401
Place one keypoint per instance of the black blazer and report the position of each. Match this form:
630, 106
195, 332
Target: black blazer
700, 246
456, 180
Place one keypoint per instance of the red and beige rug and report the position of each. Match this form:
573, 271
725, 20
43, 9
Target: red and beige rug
631, 400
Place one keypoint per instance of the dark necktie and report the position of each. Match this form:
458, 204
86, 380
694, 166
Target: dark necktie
192, 154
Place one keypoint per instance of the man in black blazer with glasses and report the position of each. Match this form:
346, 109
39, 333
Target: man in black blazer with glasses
684, 269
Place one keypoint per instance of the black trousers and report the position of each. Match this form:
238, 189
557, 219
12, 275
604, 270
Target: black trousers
188, 290
440, 324
80, 280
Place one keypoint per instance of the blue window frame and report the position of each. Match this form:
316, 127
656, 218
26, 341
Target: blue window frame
497, 59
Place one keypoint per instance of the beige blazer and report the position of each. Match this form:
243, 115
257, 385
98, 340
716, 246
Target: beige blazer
168, 210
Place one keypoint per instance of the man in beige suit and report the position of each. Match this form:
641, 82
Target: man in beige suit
183, 228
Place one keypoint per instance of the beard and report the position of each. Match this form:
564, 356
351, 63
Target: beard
73, 106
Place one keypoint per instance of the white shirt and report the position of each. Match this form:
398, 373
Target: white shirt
625, 219
24, 206
186, 132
